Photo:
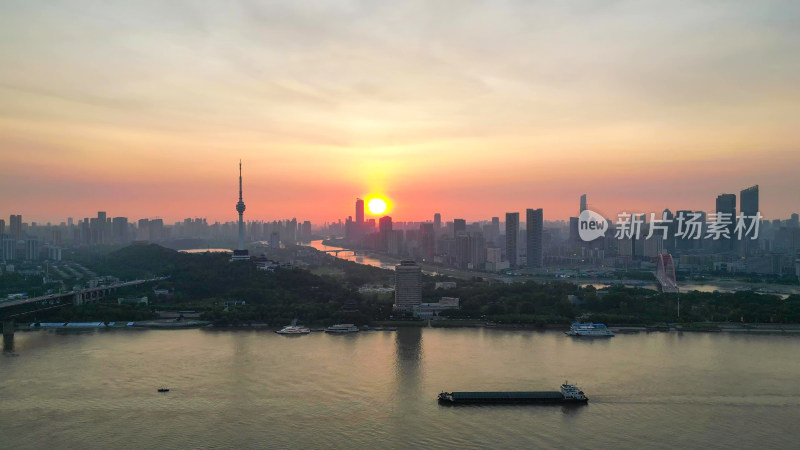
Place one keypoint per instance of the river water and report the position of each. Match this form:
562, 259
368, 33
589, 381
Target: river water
727, 286
257, 389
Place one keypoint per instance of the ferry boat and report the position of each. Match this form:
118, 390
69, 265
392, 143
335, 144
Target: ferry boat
589, 330
293, 330
569, 393
342, 328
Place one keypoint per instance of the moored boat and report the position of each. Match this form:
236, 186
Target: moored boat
293, 330
589, 330
342, 328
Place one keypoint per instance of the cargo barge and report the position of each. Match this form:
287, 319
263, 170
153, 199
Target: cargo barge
569, 393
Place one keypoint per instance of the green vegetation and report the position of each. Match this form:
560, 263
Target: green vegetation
231, 293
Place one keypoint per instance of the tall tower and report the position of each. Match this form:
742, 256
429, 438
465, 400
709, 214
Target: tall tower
240, 253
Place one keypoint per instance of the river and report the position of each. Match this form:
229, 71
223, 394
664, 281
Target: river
257, 389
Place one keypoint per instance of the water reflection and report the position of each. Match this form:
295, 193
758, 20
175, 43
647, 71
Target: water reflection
408, 351
8, 343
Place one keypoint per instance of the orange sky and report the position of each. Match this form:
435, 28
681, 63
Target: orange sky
468, 109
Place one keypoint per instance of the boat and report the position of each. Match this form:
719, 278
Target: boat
569, 393
293, 330
342, 328
589, 330
163, 389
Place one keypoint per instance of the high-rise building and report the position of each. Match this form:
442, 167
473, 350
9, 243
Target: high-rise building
15, 226
583, 202
384, 232
726, 204
2, 228
240, 253
535, 227
359, 211
437, 222
669, 242
407, 285
9, 248
748, 204
574, 234
459, 227
512, 230
32, 249
428, 241
687, 241
494, 233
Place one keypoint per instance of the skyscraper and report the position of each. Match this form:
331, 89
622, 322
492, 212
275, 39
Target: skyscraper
535, 226
240, 253
726, 204
15, 227
359, 212
437, 222
748, 204
427, 240
407, 285
384, 231
583, 203
512, 230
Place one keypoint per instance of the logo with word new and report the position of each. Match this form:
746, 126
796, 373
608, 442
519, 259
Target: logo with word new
591, 225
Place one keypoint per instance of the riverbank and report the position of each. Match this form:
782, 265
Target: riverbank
522, 275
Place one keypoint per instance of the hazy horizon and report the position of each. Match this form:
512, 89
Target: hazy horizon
468, 109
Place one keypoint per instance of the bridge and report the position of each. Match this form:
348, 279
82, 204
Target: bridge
336, 252
665, 274
80, 297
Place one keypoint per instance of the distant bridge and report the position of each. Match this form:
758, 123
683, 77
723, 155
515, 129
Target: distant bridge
336, 252
665, 273
77, 297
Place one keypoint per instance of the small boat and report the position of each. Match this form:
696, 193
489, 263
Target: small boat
342, 328
163, 389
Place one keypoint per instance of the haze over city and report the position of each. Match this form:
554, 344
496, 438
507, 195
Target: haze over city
469, 109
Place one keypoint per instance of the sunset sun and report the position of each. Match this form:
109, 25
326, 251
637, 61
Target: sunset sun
377, 206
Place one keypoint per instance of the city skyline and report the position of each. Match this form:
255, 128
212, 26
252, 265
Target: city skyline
640, 105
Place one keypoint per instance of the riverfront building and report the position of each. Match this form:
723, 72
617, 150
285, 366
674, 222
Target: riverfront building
407, 285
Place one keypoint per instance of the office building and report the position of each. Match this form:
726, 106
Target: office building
32, 249
15, 227
726, 204
535, 226
359, 212
512, 231
384, 232
407, 285
748, 204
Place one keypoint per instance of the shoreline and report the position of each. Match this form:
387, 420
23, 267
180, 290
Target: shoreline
621, 329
